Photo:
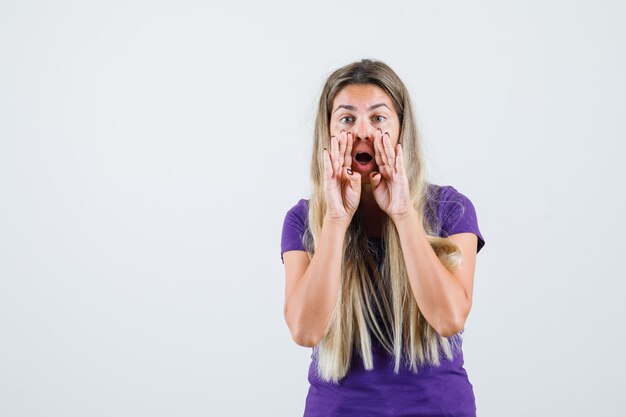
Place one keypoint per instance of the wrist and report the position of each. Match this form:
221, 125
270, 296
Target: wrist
337, 223
404, 217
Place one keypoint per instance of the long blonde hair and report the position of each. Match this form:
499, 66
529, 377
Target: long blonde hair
353, 318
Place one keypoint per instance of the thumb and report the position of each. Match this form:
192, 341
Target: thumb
375, 178
355, 178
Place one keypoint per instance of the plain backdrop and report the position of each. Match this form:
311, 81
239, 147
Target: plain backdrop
149, 151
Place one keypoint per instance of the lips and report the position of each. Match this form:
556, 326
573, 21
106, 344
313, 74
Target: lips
363, 160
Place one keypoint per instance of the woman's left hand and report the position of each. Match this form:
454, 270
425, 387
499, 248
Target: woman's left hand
390, 186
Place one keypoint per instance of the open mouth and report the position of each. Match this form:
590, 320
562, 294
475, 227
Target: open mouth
363, 158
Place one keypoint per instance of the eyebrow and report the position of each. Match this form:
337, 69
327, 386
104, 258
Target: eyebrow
352, 108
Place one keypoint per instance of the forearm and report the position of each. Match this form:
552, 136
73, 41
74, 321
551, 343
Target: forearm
439, 295
314, 296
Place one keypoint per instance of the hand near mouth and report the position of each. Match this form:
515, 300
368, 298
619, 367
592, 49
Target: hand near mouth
390, 186
342, 186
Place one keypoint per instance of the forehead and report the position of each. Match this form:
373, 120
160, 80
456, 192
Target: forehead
362, 96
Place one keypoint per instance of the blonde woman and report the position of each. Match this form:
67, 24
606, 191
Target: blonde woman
379, 262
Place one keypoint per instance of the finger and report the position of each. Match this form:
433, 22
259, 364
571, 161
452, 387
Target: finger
328, 167
374, 179
334, 154
377, 154
348, 158
391, 155
354, 177
381, 149
342, 148
353, 180
399, 158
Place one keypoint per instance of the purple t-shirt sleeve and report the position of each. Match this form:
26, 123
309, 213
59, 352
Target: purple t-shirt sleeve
458, 215
294, 226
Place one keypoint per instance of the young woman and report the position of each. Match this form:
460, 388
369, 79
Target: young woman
379, 262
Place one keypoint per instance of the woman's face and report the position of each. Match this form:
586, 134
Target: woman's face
362, 109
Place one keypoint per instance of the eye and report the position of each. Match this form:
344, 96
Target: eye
379, 119
346, 119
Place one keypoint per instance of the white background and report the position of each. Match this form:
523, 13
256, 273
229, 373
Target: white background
150, 150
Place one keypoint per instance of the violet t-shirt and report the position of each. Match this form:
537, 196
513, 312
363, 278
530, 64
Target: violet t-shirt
434, 391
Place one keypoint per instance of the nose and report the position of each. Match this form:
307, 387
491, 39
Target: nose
363, 130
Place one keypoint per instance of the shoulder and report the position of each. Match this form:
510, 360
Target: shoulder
295, 225
450, 195
299, 211
456, 212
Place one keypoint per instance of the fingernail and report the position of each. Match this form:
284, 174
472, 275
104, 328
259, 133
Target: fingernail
349, 171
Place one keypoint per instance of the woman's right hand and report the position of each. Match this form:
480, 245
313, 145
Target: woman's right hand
342, 186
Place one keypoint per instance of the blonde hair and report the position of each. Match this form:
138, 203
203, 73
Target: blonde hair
405, 329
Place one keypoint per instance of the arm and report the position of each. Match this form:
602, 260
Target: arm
444, 297
310, 297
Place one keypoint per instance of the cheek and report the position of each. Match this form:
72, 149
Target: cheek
389, 126
335, 128
395, 128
